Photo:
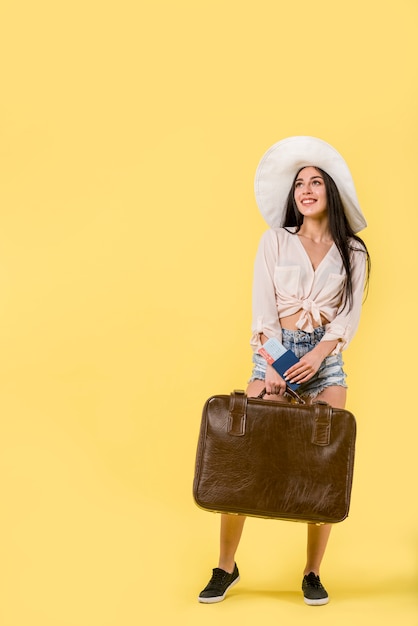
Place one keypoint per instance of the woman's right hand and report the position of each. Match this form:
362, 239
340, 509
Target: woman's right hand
275, 385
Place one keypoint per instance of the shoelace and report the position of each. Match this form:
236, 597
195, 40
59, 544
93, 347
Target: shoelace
313, 580
218, 577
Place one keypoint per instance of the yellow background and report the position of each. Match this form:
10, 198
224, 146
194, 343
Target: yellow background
130, 134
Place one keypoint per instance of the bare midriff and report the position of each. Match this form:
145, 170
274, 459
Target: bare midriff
289, 322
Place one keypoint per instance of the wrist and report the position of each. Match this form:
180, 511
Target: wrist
324, 348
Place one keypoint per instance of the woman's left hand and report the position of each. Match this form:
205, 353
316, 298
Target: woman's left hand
310, 363
303, 371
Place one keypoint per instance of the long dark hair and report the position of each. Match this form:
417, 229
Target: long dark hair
341, 232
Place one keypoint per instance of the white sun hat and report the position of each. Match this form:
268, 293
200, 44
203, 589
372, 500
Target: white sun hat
279, 166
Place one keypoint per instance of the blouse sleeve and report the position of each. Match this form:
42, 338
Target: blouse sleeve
343, 327
264, 307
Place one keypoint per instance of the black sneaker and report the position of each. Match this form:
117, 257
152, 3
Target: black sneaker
221, 581
314, 592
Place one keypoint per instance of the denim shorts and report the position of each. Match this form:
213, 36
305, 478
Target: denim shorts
330, 373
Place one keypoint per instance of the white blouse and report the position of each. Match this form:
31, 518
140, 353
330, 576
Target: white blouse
285, 283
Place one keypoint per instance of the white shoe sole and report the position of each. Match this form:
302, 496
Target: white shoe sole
319, 602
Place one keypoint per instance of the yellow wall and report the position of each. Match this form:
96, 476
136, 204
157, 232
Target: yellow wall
129, 136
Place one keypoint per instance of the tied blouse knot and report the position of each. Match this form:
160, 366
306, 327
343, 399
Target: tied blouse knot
310, 313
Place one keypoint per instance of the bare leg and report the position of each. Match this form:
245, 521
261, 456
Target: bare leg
317, 543
231, 531
318, 535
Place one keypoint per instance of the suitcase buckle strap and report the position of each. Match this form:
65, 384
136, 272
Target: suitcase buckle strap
321, 434
237, 413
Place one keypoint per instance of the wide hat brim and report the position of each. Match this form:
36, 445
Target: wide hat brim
277, 170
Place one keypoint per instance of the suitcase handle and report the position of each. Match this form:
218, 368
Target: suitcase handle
288, 392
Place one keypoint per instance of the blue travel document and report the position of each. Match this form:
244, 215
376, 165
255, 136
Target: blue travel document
280, 358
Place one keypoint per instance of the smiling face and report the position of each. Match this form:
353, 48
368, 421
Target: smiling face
310, 193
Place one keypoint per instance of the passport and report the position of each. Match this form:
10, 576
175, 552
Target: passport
281, 359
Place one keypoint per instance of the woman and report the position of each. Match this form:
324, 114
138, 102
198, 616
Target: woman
309, 277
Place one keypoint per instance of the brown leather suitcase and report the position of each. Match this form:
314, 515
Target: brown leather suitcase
275, 460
